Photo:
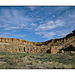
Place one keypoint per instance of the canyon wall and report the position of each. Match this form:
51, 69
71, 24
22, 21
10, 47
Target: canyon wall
61, 45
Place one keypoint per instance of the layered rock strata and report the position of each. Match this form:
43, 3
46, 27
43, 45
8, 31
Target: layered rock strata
61, 45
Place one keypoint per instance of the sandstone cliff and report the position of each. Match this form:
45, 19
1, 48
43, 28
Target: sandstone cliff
61, 45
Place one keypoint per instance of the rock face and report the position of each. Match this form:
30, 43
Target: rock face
61, 45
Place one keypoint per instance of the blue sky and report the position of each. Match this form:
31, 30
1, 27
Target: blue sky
36, 23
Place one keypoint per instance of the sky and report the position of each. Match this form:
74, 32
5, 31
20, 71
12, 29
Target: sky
36, 23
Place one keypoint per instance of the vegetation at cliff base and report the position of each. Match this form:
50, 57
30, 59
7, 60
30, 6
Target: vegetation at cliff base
22, 60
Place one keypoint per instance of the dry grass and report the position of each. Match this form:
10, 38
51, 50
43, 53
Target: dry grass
36, 61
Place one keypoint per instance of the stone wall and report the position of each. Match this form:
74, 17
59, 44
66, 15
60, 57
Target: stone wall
53, 50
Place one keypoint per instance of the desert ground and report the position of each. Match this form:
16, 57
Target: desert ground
22, 60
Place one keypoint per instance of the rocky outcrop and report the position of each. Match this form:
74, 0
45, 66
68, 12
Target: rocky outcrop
53, 46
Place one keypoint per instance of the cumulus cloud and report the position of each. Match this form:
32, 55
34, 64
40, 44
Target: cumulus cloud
43, 29
50, 25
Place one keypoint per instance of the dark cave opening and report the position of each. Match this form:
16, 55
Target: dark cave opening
24, 49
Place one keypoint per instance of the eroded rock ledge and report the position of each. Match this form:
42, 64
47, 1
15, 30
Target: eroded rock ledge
61, 45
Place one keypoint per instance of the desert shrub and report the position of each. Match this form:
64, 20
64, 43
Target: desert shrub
32, 56
3, 53
36, 60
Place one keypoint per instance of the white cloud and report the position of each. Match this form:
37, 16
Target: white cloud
11, 35
10, 28
50, 25
32, 24
49, 35
15, 27
40, 33
3, 26
63, 34
22, 25
41, 22
44, 29
14, 19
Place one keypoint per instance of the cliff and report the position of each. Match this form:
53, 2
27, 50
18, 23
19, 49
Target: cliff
61, 45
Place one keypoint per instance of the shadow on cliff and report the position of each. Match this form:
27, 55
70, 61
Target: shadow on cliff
67, 50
